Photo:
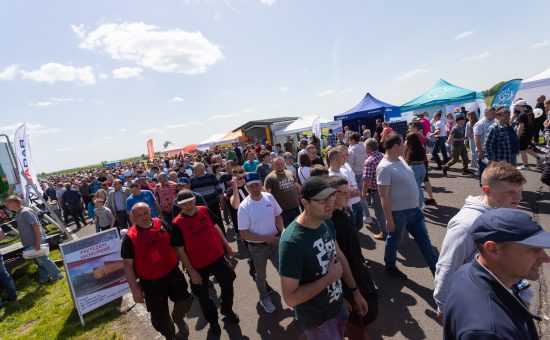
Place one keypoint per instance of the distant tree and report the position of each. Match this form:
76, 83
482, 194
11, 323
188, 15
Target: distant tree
143, 156
494, 89
167, 143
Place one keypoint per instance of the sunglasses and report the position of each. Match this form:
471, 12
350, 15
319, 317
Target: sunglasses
238, 172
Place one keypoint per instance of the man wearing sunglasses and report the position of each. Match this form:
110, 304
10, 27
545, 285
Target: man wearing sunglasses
311, 264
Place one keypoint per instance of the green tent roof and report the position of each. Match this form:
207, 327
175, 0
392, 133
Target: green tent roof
442, 93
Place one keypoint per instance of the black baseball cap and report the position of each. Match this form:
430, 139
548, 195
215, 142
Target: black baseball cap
509, 225
252, 177
185, 196
316, 188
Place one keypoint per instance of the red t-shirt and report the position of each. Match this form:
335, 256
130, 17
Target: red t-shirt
200, 238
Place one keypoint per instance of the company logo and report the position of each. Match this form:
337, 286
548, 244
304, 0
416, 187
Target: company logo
505, 96
24, 161
437, 92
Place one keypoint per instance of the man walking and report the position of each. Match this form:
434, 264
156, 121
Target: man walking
480, 134
456, 140
399, 195
311, 264
72, 201
260, 223
32, 237
370, 189
356, 161
116, 202
502, 143
208, 186
200, 245
483, 301
439, 135
148, 256
284, 186
502, 185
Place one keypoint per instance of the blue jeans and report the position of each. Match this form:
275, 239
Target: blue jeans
331, 329
7, 280
440, 146
374, 198
46, 268
419, 171
364, 204
357, 210
411, 220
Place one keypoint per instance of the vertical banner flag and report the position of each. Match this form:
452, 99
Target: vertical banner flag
506, 93
24, 159
150, 149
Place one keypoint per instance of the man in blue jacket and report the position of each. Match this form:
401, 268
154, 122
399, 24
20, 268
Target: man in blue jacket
483, 301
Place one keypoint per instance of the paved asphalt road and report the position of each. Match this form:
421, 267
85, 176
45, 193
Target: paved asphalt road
407, 310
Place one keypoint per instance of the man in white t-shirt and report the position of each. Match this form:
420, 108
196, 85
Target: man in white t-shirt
338, 167
440, 138
260, 223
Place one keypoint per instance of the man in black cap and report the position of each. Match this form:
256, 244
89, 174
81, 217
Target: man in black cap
311, 264
483, 301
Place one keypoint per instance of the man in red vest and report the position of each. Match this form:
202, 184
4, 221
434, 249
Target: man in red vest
149, 257
201, 247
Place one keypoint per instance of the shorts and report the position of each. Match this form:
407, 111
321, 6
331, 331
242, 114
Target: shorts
524, 142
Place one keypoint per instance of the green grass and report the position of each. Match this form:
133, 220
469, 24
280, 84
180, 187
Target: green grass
48, 312
488, 100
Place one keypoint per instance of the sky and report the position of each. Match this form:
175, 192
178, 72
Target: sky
94, 80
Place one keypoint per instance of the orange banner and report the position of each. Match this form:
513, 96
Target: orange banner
150, 149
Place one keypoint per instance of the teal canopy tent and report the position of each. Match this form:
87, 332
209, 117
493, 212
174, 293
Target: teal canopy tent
445, 96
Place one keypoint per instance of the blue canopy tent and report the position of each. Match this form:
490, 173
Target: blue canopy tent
367, 112
443, 96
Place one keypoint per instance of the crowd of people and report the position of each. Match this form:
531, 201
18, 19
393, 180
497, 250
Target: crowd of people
301, 210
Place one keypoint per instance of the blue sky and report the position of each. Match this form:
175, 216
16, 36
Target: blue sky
95, 79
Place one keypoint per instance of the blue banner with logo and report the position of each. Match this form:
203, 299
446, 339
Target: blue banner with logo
506, 93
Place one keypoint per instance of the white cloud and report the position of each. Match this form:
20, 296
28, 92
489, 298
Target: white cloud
122, 130
127, 72
267, 2
79, 30
103, 76
66, 149
176, 99
42, 104
174, 50
477, 57
464, 35
150, 131
249, 109
60, 99
223, 116
175, 126
413, 73
54, 72
32, 129
326, 93
535, 45
283, 89
9, 72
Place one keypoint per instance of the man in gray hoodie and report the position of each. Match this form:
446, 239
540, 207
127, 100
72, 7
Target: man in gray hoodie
502, 185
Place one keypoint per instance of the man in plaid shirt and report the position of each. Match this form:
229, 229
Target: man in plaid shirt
331, 138
370, 189
502, 143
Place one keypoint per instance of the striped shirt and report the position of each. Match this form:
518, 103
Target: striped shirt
208, 186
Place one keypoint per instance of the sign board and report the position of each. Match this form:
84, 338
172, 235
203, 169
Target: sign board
95, 270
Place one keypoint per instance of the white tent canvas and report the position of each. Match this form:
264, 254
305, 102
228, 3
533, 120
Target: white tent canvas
209, 142
533, 87
300, 124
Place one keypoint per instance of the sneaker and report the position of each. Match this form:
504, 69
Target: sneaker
430, 201
396, 273
231, 317
540, 162
380, 237
523, 167
215, 328
269, 307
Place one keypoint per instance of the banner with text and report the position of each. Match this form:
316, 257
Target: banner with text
95, 270
506, 93
24, 160
150, 149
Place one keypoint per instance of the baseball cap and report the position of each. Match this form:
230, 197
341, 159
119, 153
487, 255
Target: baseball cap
316, 188
537, 113
520, 102
185, 196
509, 225
183, 181
252, 177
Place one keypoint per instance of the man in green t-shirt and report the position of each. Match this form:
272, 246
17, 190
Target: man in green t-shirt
311, 264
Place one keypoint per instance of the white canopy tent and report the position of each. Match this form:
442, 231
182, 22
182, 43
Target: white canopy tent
209, 142
531, 88
301, 124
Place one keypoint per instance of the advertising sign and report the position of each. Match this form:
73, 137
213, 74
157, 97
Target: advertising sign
95, 270
150, 150
24, 159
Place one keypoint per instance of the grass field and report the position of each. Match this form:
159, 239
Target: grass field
48, 312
